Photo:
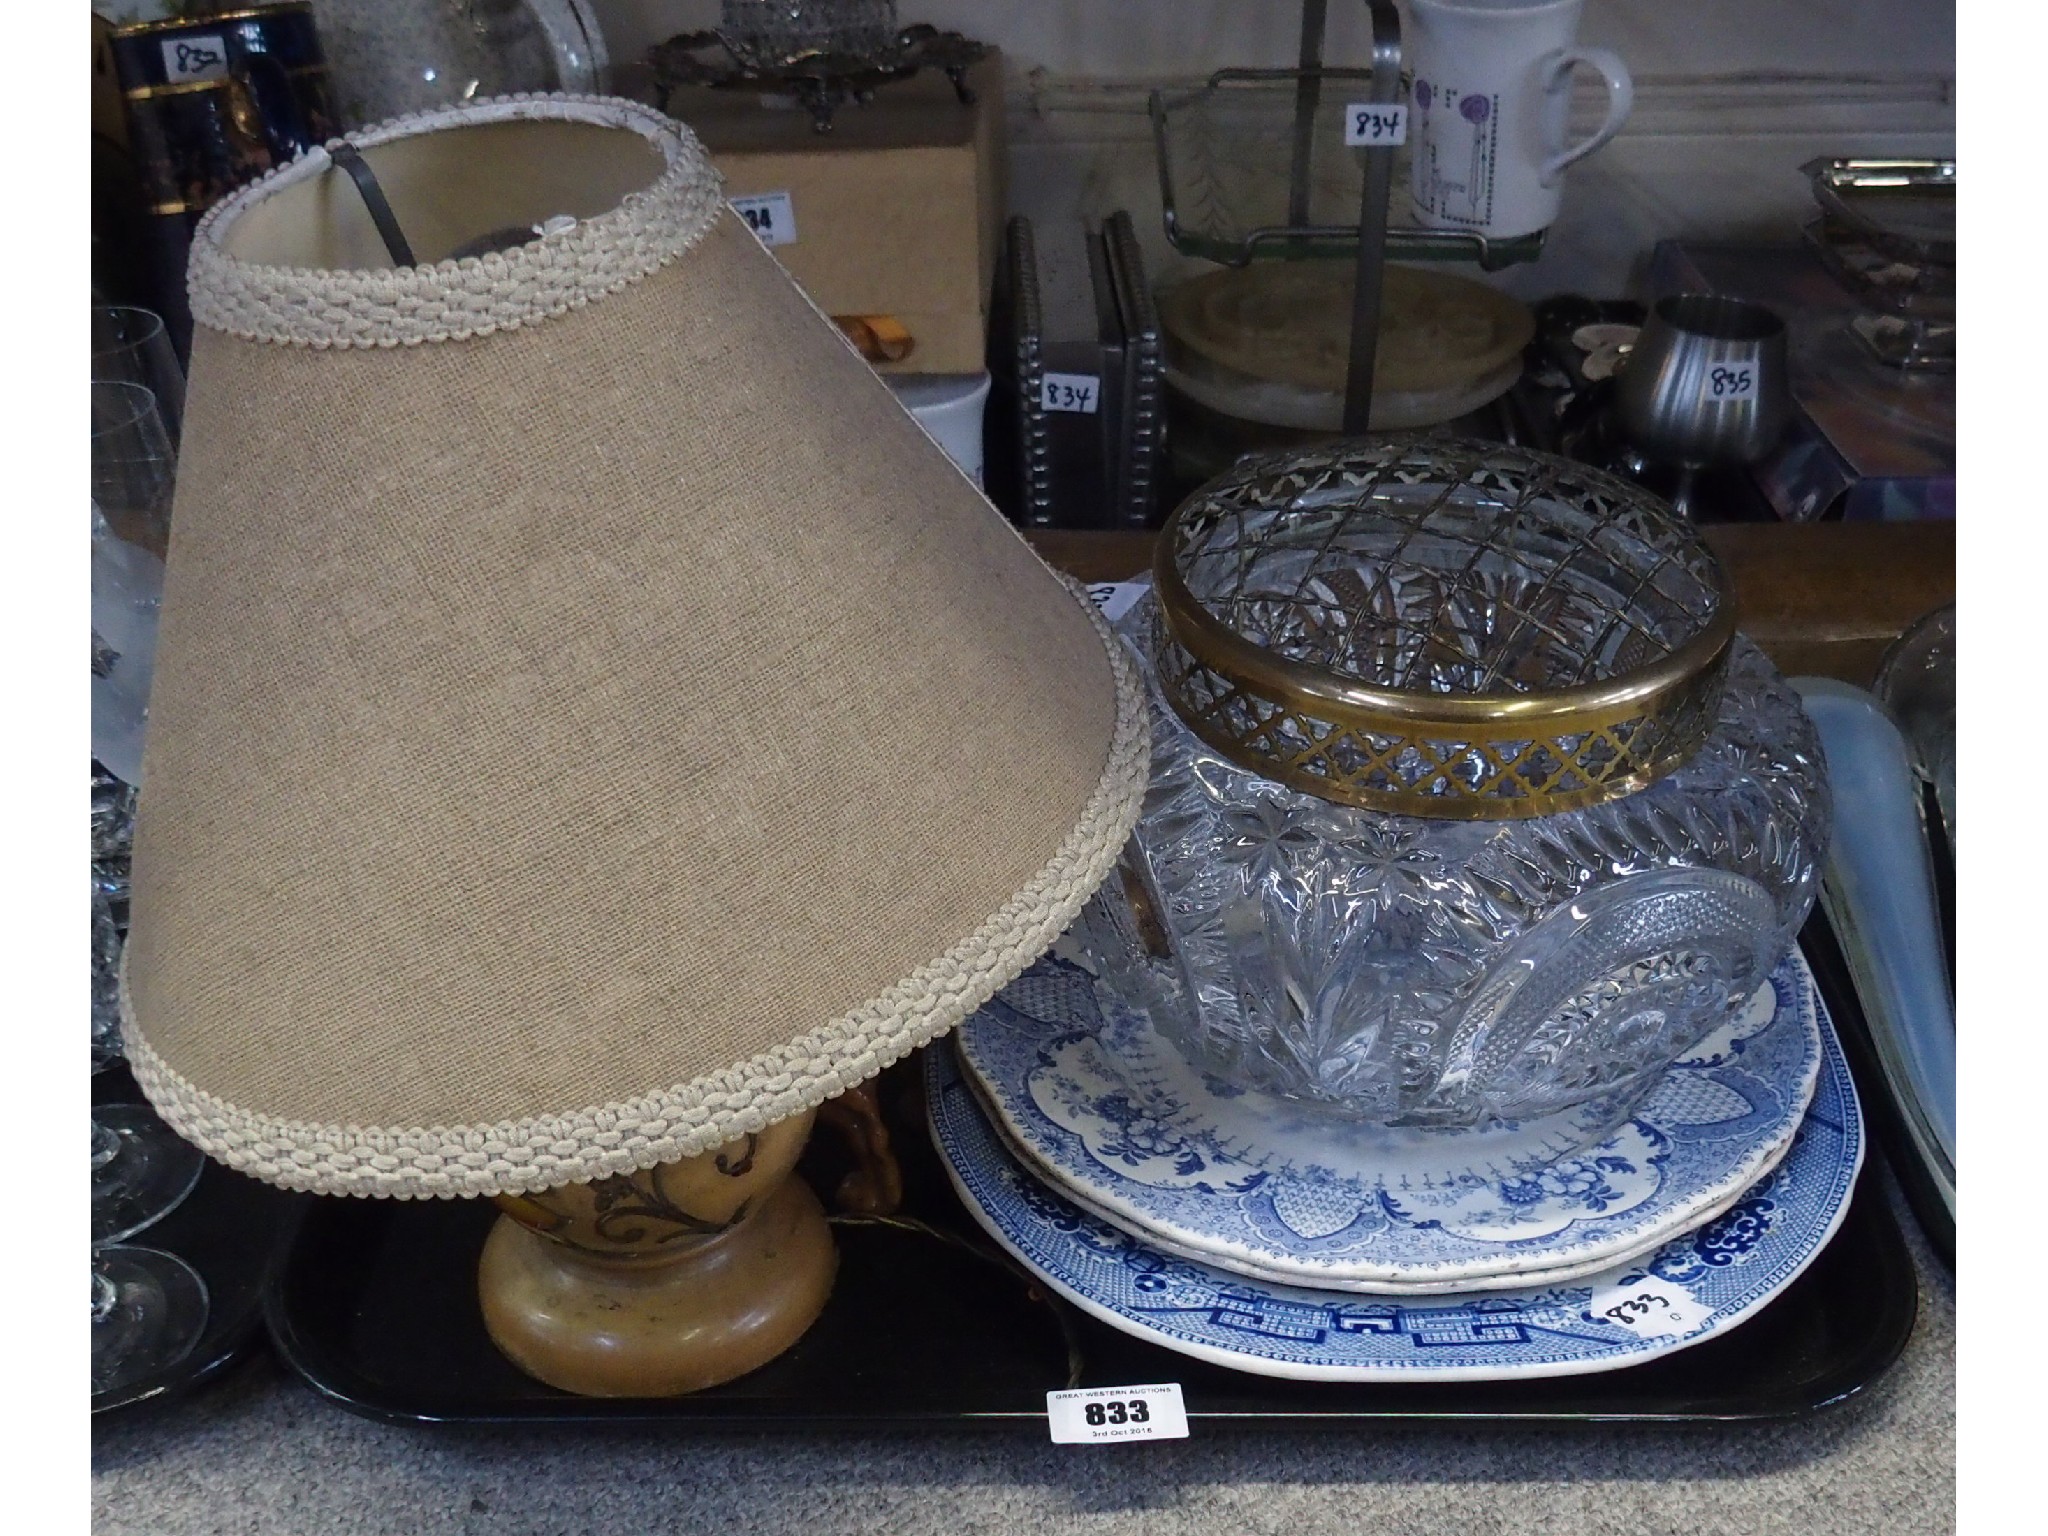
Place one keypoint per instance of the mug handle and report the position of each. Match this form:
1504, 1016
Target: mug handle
1621, 96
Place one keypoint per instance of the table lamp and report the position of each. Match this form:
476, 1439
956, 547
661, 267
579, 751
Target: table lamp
593, 725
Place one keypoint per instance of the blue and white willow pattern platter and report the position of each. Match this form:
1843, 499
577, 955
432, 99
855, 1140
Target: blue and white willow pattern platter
1691, 1288
1105, 1110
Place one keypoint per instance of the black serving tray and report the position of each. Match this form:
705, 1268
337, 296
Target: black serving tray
375, 1307
230, 1229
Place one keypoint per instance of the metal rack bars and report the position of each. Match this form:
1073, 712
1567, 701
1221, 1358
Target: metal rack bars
1372, 215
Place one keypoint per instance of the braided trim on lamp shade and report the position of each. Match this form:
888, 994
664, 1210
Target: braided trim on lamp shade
543, 1151
460, 299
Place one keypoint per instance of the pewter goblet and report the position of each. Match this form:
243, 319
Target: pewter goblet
1705, 382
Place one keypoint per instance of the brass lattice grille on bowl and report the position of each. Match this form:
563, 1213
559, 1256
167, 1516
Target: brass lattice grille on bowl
1441, 628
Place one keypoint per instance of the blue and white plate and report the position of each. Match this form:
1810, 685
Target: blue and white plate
1106, 1111
1691, 1288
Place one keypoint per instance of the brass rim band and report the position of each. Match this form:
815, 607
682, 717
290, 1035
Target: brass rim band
1447, 807
1408, 752
201, 23
1399, 712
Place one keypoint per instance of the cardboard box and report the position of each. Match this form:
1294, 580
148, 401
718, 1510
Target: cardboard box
896, 212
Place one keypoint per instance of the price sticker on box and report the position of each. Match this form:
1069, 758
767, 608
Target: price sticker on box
1649, 1308
770, 215
1371, 126
1102, 1415
1731, 383
195, 58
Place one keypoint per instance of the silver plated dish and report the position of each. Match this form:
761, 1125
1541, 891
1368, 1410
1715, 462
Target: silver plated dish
1905, 207
1879, 894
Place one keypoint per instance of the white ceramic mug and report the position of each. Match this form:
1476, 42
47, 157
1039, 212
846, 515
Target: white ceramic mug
1492, 87
949, 406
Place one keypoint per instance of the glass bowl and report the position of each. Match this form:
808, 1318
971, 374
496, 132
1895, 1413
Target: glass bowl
1476, 966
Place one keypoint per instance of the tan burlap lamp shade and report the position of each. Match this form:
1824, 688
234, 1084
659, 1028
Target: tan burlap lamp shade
592, 720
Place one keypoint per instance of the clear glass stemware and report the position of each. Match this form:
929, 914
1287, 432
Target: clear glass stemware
127, 591
131, 346
148, 1307
106, 964
133, 464
148, 1311
141, 1169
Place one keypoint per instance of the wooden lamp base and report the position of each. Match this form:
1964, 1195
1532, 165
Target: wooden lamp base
665, 1281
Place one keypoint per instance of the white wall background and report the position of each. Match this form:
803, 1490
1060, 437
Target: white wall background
1732, 96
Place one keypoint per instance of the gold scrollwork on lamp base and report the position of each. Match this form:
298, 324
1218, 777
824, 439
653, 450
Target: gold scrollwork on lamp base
665, 1281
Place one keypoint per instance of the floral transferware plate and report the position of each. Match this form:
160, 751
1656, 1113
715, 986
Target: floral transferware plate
1691, 1288
1085, 1090
1521, 1280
